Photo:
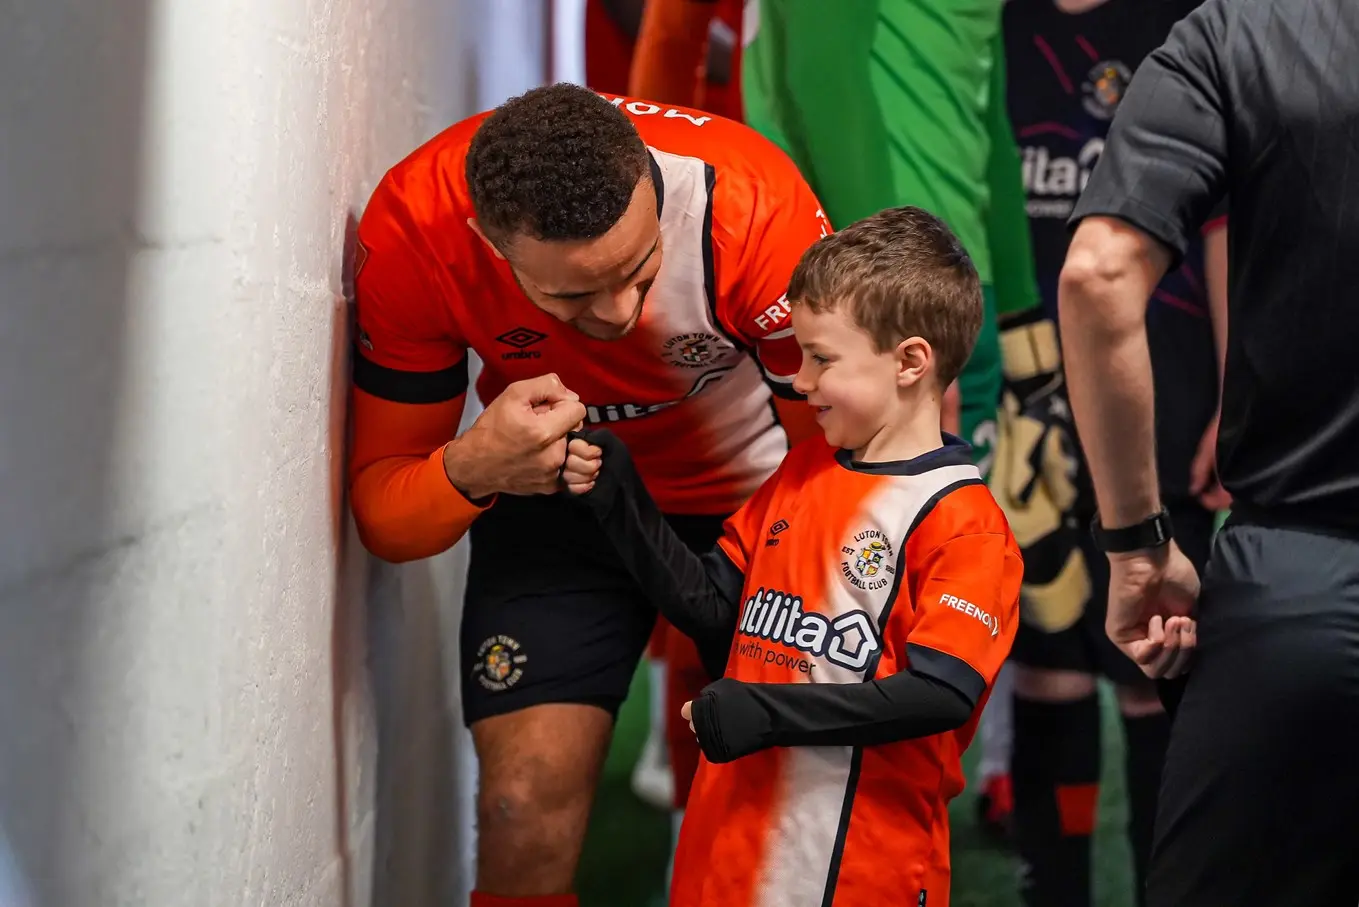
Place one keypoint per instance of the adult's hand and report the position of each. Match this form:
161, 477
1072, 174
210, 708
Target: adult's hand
1153, 598
518, 443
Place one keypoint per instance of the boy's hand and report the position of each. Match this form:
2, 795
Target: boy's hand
687, 713
582, 464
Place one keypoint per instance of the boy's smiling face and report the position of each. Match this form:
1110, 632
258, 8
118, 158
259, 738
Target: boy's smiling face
852, 385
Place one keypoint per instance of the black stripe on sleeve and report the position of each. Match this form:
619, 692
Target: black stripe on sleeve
709, 261
950, 669
410, 387
709, 265
657, 182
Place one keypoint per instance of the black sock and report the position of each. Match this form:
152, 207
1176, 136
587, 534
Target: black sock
1055, 769
1147, 737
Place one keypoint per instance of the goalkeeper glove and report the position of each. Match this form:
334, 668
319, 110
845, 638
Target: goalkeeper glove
1035, 474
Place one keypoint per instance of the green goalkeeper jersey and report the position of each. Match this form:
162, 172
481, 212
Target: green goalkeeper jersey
902, 102
897, 102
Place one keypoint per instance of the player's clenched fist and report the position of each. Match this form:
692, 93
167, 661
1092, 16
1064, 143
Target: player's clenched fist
583, 460
518, 444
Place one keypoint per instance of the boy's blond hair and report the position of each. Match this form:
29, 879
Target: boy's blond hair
902, 273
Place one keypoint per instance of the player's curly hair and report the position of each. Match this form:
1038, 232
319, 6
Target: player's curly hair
555, 163
902, 273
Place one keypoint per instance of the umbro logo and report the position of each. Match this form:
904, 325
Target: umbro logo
521, 339
774, 530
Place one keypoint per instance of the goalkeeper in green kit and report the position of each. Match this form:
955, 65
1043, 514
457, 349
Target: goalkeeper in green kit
902, 102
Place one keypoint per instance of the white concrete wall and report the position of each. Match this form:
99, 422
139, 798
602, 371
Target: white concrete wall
197, 663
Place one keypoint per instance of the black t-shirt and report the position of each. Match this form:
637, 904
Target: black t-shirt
1067, 74
1259, 99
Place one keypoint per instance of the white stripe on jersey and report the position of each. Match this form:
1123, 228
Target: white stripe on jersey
735, 411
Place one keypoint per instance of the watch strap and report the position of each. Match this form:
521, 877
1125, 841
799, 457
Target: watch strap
1153, 532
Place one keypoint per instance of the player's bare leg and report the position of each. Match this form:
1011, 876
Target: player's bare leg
651, 776
995, 733
539, 768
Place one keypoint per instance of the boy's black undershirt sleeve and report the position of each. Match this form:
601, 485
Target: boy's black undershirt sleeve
700, 596
734, 719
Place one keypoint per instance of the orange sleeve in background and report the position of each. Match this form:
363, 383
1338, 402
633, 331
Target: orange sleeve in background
669, 62
404, 505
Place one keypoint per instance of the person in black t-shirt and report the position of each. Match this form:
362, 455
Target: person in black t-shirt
1257, 100
1070, 63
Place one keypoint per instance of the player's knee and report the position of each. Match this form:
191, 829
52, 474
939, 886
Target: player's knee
1046, 685
534, 797
1138, 700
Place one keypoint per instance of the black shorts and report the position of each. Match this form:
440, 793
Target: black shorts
550, 615
1260, 793
1084, 646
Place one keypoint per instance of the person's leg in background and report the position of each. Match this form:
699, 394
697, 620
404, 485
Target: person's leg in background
1056, 752
979, 391
1055, 769
652, 779
685, 679
995, 733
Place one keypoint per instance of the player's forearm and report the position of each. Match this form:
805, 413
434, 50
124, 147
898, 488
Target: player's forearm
407, 509
735, 719
671, 47
1103, 295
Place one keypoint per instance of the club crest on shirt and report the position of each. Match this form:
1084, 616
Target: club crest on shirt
1104, 87
869, 561
500, 663
694, 350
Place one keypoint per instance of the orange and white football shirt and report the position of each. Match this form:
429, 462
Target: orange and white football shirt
689, 389
853, 573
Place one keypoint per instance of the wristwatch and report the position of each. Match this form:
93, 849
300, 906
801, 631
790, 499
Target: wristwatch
1153, 532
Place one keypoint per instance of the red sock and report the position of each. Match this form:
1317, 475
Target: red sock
482, 899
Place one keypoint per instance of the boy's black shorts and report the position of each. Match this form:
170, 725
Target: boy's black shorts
550, 616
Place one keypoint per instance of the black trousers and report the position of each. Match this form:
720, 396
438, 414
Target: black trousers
1259, 801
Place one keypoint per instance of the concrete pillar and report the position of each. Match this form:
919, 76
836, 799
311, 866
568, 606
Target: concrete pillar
208, 694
